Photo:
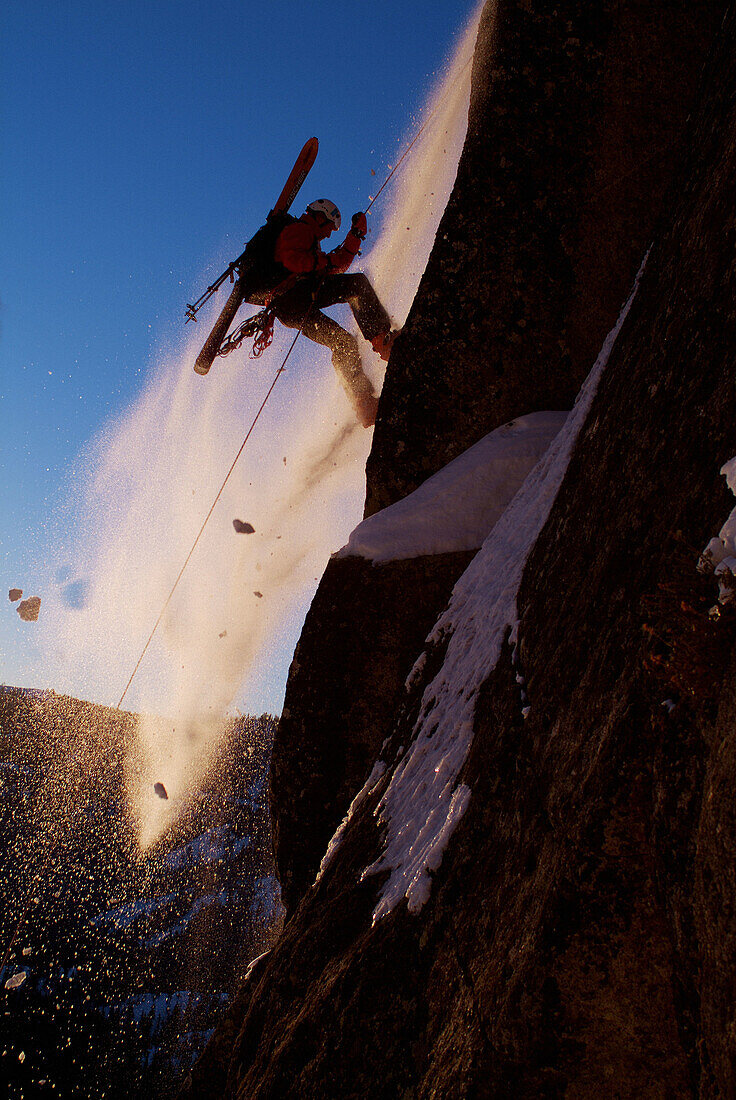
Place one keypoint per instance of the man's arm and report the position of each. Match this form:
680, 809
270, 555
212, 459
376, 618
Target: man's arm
341, 257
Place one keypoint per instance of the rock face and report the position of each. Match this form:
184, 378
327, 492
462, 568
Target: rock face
576, 113
341, 704
577, 939
542, 238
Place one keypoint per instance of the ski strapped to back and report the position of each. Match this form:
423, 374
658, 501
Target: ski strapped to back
212, 345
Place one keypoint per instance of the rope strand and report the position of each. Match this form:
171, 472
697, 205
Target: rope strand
271, 388
409, 147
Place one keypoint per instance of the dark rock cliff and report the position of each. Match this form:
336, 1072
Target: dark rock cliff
575, 117
578, 939
344, 688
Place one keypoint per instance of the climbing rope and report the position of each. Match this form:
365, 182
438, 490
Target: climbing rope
248, 434
409, 147
260, 326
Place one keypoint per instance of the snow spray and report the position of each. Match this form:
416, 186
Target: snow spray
418, 195
147, 482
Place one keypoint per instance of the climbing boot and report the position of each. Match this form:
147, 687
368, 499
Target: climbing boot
366, 408
383, 343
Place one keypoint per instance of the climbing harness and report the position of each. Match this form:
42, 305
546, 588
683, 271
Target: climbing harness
259, 326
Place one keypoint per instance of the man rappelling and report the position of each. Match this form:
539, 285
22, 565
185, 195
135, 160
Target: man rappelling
284, 270
300, 280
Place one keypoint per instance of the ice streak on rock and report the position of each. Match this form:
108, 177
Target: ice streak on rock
423, 804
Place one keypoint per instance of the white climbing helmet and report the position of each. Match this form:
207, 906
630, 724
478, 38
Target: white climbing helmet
330, 211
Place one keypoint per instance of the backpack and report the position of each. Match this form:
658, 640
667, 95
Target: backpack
259, 266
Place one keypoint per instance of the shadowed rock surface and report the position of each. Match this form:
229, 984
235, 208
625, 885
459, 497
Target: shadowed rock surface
576, 116
341, 704
578, 939
569, 102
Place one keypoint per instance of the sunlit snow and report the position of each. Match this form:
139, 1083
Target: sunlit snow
378, 770
457, 507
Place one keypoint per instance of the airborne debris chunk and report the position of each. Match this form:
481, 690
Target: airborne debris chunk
259, 595
223, 634
15, 594
243, 528
160, 790
29, 609
16, 981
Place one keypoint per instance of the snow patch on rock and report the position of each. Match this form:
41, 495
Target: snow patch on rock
719, 556
423, 804
378, 770
456, 508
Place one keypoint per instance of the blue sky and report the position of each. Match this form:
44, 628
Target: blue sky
141, 144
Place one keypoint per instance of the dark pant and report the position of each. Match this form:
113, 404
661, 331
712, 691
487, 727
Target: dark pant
301, 306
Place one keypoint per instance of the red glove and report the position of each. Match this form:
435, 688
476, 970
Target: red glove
359, 226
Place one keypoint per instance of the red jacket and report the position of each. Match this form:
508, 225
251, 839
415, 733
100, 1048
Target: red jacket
298, 249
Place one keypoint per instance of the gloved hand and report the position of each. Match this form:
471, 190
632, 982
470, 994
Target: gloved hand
342, 257
360, 225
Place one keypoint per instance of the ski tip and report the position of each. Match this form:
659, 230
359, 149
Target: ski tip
309, 152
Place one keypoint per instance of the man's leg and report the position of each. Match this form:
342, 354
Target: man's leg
347, 362
297, 309
356, 290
